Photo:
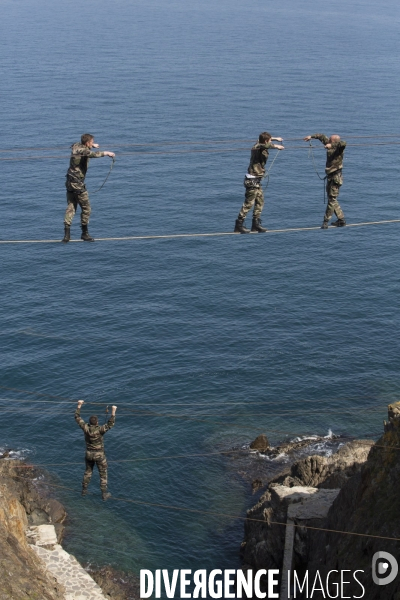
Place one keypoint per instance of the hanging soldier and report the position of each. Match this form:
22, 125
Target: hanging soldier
334, 179
95, 454
77, 193
254, 195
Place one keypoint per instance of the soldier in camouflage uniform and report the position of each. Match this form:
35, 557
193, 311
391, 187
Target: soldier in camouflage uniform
95, 448
75, 184
334, 178
254, 195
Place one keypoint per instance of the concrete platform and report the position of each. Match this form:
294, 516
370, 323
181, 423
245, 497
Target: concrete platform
63, 566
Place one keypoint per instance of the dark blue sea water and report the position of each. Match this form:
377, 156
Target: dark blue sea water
203, 343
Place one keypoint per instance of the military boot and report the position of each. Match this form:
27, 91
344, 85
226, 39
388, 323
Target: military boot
105, 495
85, 234
67, 234
256, 226
324, 225
84, 490
239, 226
339, 223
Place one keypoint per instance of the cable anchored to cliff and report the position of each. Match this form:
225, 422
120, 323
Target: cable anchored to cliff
230, 516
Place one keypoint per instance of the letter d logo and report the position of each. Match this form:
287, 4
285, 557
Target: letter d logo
385, 564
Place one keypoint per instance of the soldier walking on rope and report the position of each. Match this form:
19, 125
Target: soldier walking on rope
334, 179
95, 448
77, 193
254, 195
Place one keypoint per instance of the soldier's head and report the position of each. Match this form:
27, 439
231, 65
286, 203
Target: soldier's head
93, 420
264, 137
87, 139
334, 138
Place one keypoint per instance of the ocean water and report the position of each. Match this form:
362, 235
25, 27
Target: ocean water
203, 343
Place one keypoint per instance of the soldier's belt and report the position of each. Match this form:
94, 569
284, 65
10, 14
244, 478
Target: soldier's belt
337, 172
252, 182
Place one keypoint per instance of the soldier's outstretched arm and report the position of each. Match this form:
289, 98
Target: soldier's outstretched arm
111, 421
78, 419
317, 136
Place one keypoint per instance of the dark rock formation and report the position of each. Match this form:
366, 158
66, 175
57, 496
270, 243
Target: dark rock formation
328, 472
261, 443
116, 584
289, 448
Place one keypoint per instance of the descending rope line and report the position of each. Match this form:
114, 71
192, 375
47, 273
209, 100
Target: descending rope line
245, 452
196, 235
108, 175
227, 515
269, 170
130, 460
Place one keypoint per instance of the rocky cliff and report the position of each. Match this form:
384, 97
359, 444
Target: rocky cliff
369, 503
21, 572
33, 565
366, 477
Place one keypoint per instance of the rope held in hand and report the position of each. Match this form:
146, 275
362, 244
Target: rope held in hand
269, 170
108, 175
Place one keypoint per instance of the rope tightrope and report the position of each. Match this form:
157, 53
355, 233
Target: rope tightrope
195, 235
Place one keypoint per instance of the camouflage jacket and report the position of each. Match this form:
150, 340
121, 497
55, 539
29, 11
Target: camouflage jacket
79, 161
334, 156
258, 159
94, 433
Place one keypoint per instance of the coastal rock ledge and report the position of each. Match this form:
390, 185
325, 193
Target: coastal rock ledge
33, 564
355, 491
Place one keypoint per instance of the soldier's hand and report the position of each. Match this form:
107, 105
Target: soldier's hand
111, 154
278, 139
95, 145
279, 147
80, 402
307, 138
114, 408
328, 146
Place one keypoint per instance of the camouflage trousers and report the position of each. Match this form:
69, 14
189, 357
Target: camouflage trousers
333, 185
254, 196
99, 459
74, 199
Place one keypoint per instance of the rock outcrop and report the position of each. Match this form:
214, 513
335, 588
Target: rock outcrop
368, 504
264, 540
33, 564
21, 572
261, 443
362, 515
328, 472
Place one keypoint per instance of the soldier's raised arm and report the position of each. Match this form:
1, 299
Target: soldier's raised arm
111, 421
317, 136
78, 418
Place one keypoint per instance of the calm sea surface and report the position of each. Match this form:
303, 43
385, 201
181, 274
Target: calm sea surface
203, 343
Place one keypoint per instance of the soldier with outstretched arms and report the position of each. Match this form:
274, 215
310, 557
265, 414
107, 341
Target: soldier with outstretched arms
254, 195
95, 448
77, 193
334, 179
